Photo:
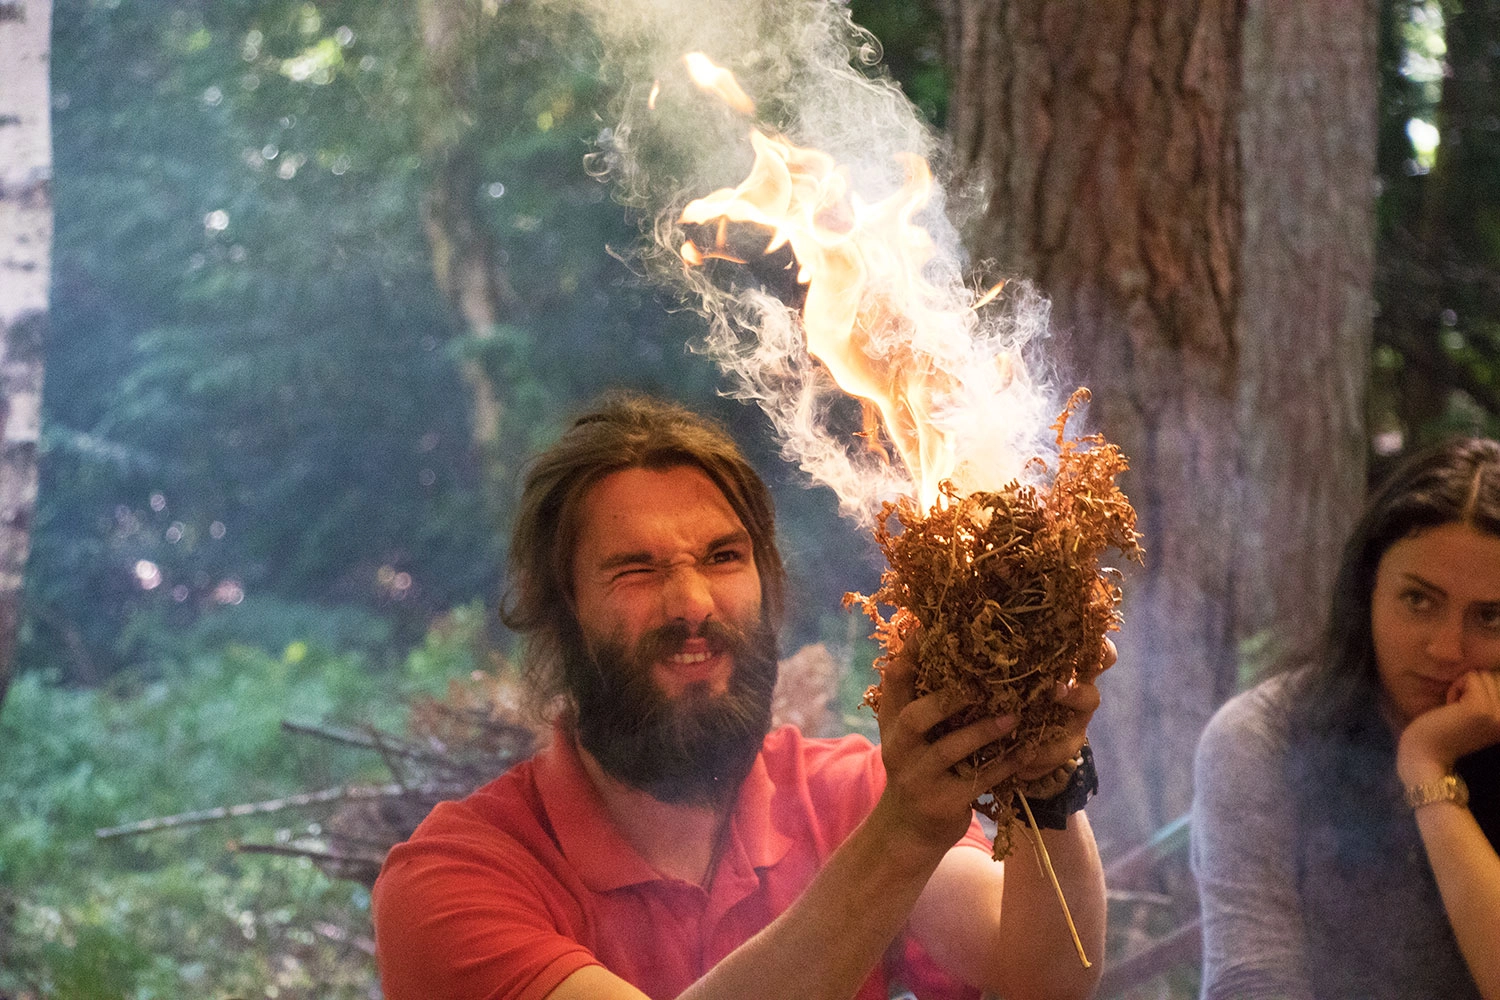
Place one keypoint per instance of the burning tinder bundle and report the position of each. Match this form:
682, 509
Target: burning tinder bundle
994, 568
856, 292
1004, 596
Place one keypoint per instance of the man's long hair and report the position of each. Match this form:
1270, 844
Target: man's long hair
623, 431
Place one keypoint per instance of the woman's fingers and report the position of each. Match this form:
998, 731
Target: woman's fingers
1469, 721
1479, 685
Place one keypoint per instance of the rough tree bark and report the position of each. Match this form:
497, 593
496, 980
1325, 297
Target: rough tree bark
1192, 185
25, 269
464, 257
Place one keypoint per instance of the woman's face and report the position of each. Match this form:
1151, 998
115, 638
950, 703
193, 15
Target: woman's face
1435, 615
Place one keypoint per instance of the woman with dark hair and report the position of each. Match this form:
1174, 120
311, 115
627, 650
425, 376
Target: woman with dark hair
1347, 811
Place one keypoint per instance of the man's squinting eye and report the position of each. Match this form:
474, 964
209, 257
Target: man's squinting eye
722, 556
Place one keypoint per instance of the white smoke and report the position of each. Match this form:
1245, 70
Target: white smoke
813, 76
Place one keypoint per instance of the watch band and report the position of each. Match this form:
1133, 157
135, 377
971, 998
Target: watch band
1448, 788
1052, 813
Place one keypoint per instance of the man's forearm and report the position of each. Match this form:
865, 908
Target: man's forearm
999, 925
1040, 959
825, 945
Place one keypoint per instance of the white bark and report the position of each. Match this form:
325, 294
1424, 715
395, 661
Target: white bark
25, 272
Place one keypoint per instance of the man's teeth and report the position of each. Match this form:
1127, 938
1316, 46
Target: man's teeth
688, 659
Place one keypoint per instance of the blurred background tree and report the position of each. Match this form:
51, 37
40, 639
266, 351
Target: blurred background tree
1437, 328
324, 275
1191, 186
25, 273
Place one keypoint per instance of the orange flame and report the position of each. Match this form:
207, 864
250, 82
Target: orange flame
947, 390
717, 80
868, 314
989, 296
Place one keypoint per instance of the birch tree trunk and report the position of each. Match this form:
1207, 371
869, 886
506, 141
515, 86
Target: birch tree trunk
1192, 185
25, 270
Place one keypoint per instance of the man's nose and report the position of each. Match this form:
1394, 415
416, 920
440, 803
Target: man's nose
687, 596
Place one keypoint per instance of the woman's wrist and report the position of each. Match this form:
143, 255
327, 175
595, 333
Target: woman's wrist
1449, 788
1420, 757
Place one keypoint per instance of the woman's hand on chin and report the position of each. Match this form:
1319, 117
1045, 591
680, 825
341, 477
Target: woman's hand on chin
1469, 721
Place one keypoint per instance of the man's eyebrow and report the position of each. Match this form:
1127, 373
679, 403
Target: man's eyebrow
644, 558
740, 537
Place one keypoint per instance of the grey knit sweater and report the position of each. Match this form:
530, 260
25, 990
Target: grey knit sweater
1287, 913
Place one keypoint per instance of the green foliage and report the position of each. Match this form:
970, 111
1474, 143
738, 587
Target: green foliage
246, 386
911, 38
455, 646
266, 621
1437, 330
172, 913
255, 386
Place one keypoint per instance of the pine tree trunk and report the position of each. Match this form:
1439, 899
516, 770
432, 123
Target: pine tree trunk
1191, 184
25, 270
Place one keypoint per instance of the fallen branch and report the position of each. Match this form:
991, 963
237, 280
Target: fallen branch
313, 853
345, 793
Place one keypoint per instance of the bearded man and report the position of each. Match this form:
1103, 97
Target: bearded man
665, 844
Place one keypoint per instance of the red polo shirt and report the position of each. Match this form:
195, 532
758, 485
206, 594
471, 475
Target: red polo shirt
503, 895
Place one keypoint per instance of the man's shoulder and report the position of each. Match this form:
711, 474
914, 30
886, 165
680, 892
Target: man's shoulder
793, 758
509, 801
821, 787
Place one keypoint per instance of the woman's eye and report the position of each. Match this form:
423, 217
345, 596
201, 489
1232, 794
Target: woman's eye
1488, 617
1417, 600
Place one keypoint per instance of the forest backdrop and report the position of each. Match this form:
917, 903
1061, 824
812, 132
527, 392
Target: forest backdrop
324, 274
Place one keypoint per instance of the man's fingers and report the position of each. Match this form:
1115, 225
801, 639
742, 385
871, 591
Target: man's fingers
897, 682
1050, 756
1081, 697
952, 748
921, 715
1107, 657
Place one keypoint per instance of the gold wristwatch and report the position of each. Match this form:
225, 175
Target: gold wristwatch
1448, 788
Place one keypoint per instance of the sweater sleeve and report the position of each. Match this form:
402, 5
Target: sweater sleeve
1244, 855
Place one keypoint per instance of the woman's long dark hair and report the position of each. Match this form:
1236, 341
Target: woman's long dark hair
1346, 764
1457, 481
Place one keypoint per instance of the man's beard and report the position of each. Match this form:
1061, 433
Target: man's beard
694, 749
